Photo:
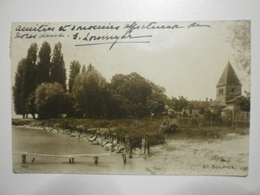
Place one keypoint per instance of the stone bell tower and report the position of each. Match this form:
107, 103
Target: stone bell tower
229, 85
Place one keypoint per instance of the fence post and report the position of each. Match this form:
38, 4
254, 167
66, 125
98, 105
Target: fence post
124, 158
143, 147
23, 158
96, 159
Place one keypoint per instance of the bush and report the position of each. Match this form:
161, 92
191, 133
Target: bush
170, 126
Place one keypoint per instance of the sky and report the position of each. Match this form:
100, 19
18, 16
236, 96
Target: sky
185, 61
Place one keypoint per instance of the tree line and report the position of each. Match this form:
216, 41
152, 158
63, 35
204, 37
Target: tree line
41, 88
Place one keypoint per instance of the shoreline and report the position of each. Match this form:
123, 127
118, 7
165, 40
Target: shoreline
181, 156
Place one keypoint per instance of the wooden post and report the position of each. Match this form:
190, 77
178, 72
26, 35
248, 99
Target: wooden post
211, 121
147, 147
125, 145
72, 160
23, 158
121, 140
117, 139
96, 159
130, 149
124, 158
233, 117
143, 147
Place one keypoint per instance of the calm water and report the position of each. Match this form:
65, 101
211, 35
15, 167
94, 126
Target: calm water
38, 141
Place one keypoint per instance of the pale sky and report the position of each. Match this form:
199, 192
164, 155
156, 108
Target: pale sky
186, 61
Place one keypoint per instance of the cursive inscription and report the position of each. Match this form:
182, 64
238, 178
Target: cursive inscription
195, 24
101, 34
41, 28
91, 27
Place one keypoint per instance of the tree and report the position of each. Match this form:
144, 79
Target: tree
43, 69
138, 96
30, 107
239, 36
244, 103
25, 82
74, 71
28, 82
58, 71
17, 88
156, 101
51, 100
89, 89
117, 80
179, 104
83, 68
136, 90
207, 114
118, 106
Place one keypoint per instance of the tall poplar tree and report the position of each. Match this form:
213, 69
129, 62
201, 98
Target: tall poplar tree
58, 71
17, 88
29, 78
74, 71
43, 74
83, 68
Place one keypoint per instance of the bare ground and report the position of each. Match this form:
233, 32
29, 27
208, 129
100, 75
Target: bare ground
225, 156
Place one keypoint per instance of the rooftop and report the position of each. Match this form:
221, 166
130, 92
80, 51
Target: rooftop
228, 77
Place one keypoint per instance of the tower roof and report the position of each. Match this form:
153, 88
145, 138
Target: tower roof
228, 77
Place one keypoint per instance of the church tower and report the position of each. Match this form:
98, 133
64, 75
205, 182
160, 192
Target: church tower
229, 85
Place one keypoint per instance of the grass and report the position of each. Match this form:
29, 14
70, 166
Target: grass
135, 128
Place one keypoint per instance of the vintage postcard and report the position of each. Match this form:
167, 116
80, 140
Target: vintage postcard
156, 98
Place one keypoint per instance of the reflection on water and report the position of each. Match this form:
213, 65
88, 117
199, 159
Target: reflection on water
38, 141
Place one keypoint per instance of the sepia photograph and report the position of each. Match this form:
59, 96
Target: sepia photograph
132, 98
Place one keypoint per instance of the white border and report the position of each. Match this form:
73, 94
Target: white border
123, 10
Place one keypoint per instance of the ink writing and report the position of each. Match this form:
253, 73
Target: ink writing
100, 34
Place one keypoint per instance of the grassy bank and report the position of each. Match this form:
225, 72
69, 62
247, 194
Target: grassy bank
136, 127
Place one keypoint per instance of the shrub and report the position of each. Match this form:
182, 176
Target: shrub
170, 126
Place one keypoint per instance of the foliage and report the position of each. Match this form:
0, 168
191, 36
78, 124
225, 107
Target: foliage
89, 89
179, 104
29, 73
240, 39
58, 71
170, 126
156, 101
244, 102
74, 71
202, 110
30, 105
116, 105
207, 114
17, 88
83, 68
51, 100
43, 68
25, 80
90, 96
138, 96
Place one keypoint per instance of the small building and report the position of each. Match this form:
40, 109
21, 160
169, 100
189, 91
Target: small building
194, 108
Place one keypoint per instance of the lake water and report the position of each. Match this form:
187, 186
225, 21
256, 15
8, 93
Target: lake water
42, 142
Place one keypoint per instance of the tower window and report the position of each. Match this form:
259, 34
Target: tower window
233, 90
220, 91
